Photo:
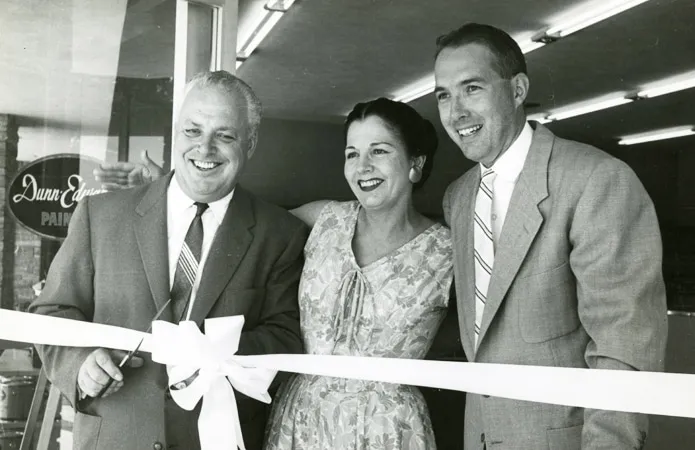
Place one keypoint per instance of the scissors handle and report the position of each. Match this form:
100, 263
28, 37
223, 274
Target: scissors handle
105, 388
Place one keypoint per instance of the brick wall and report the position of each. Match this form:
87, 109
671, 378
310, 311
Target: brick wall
8, 167
27, 267
20, 249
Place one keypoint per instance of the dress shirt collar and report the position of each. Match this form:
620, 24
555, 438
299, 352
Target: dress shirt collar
178, 202
509, 165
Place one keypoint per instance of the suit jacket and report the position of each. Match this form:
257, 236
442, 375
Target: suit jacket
576, 282
113, 269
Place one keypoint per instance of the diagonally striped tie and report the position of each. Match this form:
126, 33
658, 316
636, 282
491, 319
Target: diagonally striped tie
484, 249
187, 265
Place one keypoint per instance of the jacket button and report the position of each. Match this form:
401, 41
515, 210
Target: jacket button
157, 446
482, 437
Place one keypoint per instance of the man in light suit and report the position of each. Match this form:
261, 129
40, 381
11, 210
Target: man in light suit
119, 265
557, 252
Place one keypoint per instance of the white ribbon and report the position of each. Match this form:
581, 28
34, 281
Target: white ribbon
668, 394
45, 330
187, 350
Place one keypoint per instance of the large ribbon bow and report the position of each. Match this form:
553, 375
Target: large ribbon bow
203, 366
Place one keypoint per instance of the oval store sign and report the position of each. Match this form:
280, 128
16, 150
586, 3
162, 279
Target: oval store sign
43, 196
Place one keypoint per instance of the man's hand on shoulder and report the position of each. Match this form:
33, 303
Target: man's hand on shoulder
124, 175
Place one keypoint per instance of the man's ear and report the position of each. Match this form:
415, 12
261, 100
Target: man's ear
253, 140
520, 84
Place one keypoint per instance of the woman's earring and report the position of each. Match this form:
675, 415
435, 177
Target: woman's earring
415, 174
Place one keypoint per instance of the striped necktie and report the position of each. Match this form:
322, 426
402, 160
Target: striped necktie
187, 265
484, 249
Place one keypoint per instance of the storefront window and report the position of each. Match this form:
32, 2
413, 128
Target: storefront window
92, 80
82, 82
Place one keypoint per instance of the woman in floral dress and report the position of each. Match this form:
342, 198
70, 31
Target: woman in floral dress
375, 283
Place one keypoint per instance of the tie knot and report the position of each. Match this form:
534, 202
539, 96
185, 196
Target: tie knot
488, 177
200, 208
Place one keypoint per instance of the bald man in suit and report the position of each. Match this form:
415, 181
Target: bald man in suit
122, 260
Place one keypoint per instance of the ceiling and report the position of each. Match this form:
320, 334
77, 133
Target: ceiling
326, 55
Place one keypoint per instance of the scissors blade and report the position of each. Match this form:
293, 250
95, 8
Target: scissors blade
132, 353
128, 356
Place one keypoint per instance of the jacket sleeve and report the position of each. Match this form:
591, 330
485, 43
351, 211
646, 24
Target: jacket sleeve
616, 258
278, 329
68, 293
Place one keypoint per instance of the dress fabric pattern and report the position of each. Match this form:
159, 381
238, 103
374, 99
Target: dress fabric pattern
389, 308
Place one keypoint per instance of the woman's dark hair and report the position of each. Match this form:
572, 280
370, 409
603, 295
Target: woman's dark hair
510, 59
417, 133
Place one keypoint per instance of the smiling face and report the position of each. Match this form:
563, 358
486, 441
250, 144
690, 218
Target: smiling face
482, 112
377, 164
213, 143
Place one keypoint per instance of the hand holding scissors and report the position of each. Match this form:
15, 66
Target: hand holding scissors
99, 376
99, 371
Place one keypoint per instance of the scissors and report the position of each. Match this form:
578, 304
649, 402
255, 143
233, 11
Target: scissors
128, 356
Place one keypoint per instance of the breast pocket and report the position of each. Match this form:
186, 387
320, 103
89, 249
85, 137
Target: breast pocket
548, 305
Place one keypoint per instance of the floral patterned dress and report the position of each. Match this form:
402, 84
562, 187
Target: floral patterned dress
391, 308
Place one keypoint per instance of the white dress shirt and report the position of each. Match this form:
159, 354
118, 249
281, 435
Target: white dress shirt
180, 213
507, 167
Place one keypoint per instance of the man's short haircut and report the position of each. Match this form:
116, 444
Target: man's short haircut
510, 60
230, 84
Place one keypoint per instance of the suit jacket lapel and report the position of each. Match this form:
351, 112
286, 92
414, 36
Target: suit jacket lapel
521, 225
463, 235
232, 240
151, 237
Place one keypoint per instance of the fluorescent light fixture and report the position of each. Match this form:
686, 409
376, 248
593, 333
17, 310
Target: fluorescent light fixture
528, 47
667, 87
588, 107
265, 20
279, 5
580, 21
416, 90
540, 118
668, 133
530, 43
